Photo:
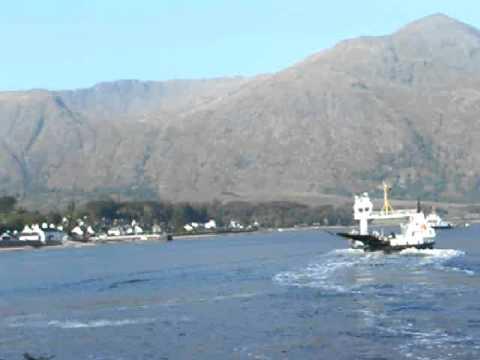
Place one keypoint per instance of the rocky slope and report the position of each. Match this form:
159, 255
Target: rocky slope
401, 107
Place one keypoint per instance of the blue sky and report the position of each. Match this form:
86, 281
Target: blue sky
60, 44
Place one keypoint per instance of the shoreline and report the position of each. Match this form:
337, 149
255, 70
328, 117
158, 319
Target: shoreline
129, 239
161, 238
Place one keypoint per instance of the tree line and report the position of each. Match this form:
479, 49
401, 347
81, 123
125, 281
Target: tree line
173, 216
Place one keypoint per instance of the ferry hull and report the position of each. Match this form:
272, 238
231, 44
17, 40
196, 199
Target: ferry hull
374, 243
443, 227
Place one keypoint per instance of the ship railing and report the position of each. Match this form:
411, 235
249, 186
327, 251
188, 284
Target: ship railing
393, 214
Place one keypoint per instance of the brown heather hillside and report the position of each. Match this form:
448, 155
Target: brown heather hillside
403, 107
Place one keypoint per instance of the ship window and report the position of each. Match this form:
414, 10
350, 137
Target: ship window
361, 210
366, 209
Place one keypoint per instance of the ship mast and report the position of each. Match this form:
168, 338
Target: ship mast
363, 210
387, 207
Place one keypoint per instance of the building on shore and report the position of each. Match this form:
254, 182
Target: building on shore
46, 235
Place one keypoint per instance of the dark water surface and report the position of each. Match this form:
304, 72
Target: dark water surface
290, 295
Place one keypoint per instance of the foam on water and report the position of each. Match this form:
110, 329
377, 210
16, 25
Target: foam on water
465, 271
325, 272
314, 275
350, 269
200, 299
96, 323
435, 344
395, 293
433, 253
75, 324
197, 299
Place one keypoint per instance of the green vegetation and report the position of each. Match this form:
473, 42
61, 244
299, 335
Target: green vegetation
16, 219
7, 204
104, 213
175, 216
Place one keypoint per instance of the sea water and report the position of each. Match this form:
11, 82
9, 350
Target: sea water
289, 295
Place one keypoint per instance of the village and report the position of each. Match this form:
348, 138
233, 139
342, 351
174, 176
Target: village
107, 220
118, 230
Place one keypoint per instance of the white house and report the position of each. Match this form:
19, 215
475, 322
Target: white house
156, 229
46, 235
77, 231
115, 231
235, 225
210, 225
6, 236
137, 230
31, 233
82, 232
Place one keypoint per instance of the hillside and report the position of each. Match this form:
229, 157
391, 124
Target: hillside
401, 107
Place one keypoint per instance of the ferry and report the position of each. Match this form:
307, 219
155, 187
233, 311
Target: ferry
415, 231
436, 221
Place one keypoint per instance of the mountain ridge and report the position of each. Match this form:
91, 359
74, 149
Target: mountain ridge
399, 107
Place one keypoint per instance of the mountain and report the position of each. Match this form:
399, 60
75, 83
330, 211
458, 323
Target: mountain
401, 108
132, 97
